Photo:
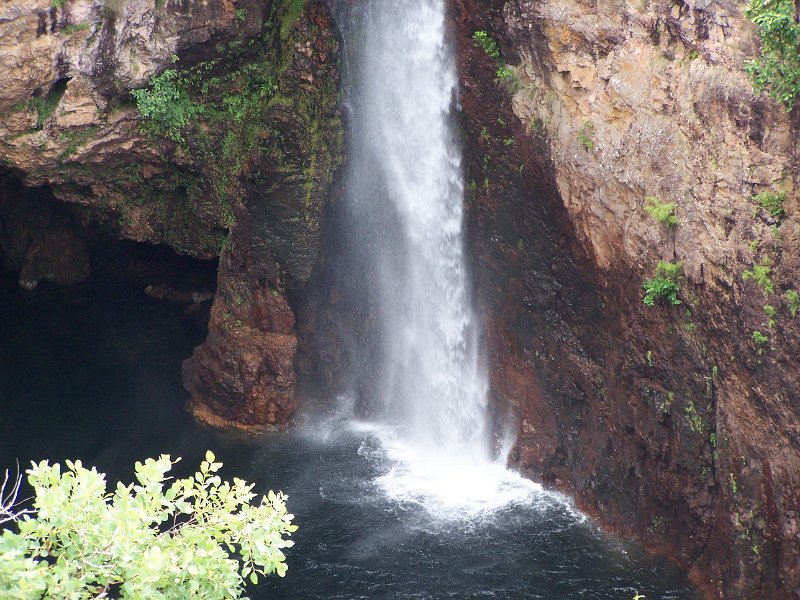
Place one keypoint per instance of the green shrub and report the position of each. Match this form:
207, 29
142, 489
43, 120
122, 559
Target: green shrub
771, 202
200, 537
670, 270
793, 298
663, 212
778, 70
489, 45
74, 28
772, 314
504, 72
664, 284
760, 339
166, 105
665, 405
694, 419
586, 135
174, 100
485, 41
761, 274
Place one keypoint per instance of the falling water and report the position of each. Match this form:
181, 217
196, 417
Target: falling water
405, 196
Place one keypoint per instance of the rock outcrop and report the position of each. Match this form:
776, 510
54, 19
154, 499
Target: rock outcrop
675, 424
233, 157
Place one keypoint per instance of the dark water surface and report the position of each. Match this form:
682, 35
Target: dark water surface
95, 375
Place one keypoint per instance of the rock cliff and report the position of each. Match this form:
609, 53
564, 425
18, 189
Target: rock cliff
677, 424
229, 153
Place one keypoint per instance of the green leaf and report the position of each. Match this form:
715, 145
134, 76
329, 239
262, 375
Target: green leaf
91, 540
778, 70
664, 285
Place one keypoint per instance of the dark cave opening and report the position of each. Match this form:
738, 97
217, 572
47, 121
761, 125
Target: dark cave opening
44, 239
94, 330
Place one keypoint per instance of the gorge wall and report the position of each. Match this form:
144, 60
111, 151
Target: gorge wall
675, 424
233, 158
672, 424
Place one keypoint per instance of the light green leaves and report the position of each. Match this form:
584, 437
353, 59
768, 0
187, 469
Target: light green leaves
778, 70
762, 275
492, 50
793, 299
200, 537
485, 41
663, 212
772, 203
664, 284
166, 104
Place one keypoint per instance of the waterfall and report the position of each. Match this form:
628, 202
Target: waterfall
404, 196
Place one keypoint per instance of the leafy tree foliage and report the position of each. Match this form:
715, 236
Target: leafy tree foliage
778, 70
200, 537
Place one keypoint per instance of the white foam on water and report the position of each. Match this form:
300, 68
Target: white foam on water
450, 487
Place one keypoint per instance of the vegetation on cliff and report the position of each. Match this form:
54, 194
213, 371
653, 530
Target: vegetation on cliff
663, 212
778, 70
664, 284
213, 112
199, 537
492, 50
224, 117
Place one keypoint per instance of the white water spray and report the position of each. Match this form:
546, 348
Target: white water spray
434, 374
405, 194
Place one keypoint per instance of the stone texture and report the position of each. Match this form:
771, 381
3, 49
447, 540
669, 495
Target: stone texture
273, 246
40, 244
251, 189
59, 256
669, 424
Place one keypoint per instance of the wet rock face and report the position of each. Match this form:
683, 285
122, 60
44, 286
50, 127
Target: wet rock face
40, 244
59, 256
245, 178
673, 424
244, 374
